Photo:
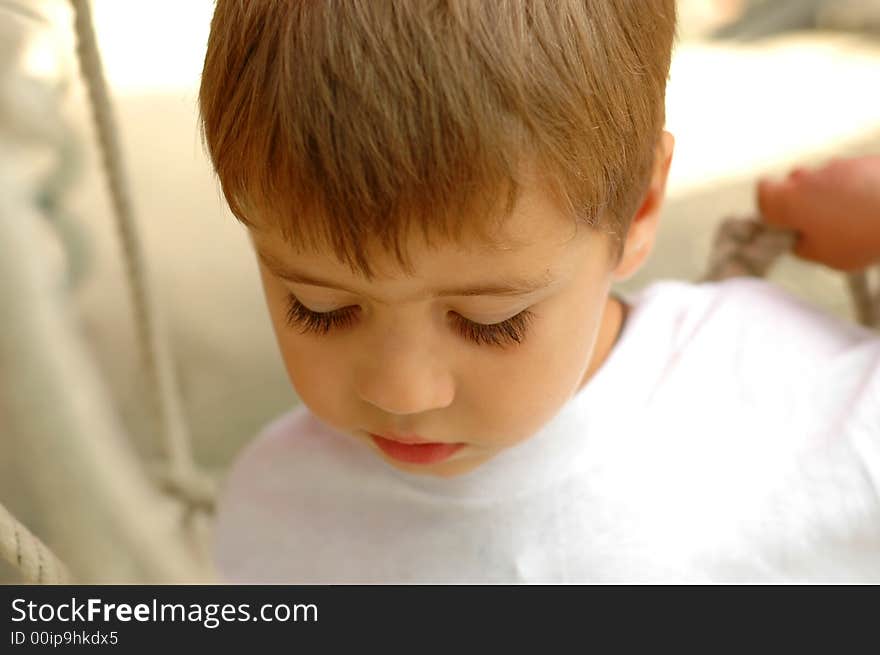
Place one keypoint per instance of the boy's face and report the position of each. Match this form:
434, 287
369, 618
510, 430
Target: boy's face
398, 360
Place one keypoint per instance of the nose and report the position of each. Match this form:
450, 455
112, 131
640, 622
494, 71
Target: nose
405, 380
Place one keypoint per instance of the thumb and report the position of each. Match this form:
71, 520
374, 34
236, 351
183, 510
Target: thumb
773, 202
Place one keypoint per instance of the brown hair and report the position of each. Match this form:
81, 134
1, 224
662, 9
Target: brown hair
343, 123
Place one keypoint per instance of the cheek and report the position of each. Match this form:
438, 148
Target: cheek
538, 377
315, 368
317, 373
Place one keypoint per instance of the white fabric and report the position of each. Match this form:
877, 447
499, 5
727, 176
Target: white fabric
733, 435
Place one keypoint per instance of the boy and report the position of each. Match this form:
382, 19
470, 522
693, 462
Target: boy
440, 195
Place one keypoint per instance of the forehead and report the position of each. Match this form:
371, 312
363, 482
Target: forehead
535, 234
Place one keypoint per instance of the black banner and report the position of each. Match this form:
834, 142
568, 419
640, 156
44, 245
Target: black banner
132, 618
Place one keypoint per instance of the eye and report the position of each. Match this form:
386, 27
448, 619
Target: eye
300, 316
511, 331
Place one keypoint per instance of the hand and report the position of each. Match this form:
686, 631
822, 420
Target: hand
834, 209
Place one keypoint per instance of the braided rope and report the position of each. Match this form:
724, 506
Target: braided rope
21, 548
749, 247
867, 306
180, 476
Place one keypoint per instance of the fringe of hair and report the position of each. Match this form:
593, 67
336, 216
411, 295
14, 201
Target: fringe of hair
347, 124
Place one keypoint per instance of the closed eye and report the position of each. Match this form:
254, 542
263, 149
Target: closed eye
511, 331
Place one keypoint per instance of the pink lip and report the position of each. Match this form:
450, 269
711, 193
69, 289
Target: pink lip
399, 438
416, 452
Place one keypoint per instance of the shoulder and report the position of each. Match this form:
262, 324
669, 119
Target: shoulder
294, 443
757, 385
257, 465
743, 341
753, 312
274, 482
748, 346
295, 430
287, 454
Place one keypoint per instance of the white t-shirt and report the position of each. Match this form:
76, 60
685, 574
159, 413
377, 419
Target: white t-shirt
732, 435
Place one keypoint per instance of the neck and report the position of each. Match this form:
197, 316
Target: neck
613, 319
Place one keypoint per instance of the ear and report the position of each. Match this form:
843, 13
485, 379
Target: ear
643, 229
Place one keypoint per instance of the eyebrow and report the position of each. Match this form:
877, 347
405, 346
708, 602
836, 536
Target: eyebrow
509, 286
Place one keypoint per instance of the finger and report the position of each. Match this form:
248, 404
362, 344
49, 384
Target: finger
774, 202
804, 249
798, 174
807, 250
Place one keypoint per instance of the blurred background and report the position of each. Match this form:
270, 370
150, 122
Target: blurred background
757, 86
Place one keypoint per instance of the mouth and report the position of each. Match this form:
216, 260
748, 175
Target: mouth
415, 452
409, 439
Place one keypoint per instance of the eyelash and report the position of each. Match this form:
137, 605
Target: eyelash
509, 332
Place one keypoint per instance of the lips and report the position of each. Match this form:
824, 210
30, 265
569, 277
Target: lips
411, 452
407, 439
